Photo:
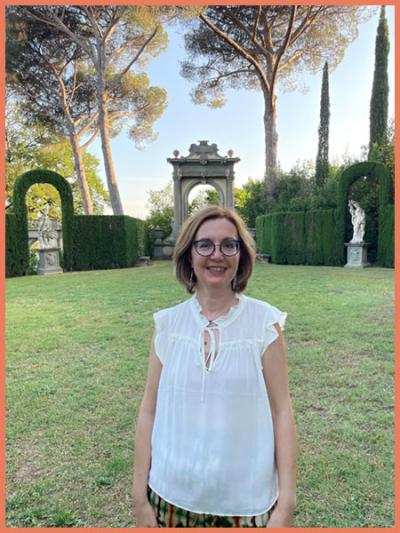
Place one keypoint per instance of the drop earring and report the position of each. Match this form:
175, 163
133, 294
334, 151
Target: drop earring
233, 283
191, 281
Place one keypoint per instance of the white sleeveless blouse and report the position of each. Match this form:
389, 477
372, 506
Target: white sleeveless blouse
213, 441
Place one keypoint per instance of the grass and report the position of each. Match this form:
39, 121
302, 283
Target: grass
77, 347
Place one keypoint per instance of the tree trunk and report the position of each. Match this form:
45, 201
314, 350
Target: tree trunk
107, 156
271, 146
81, 175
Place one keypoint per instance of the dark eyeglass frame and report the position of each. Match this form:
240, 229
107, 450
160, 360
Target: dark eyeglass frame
214, 246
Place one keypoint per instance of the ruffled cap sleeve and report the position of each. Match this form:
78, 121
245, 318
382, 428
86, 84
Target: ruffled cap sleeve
273, 316
161, 334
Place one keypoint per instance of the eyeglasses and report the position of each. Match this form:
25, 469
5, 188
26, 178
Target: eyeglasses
206, 247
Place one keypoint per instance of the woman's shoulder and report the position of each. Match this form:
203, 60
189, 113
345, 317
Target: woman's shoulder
265, 310
176, 309
255, 303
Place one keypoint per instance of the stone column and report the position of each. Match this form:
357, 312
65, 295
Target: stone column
177, 205
229, 188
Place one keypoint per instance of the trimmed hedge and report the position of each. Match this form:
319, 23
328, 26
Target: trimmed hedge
15, 258
320, 243
298, 238
317, 237
310, 237
386, 238
20, 233
102, 242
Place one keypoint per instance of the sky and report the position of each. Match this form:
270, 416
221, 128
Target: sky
239, 125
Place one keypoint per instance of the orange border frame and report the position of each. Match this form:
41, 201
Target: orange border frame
2, 221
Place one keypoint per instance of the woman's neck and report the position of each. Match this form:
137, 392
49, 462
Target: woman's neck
215, 303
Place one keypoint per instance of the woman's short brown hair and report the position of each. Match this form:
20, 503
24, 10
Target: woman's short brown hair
182, 251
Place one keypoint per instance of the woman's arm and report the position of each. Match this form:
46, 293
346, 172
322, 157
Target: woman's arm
143, 510
275, 369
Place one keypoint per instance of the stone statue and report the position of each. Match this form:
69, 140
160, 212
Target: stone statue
47, 233
358, 221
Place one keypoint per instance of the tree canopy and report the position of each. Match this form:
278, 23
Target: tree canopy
255, 47
116, 42
29, 147
49, 76
380, 86
322, 161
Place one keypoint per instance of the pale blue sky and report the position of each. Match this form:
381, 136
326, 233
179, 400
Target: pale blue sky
238, 125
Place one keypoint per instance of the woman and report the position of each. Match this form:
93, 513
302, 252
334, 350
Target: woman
215, 438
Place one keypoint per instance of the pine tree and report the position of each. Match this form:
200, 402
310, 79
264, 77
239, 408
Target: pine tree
261, 47
380, 88
322, 162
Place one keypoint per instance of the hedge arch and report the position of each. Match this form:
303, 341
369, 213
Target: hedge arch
372, 169
21, 187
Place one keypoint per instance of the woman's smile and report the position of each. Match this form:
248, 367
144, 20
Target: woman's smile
216, 272
216, 268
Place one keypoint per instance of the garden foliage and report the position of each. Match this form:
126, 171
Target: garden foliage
20, 232
370, 169
317, 236
298, 237
15, 257
378, 116
322, 162
89, 242
102, 242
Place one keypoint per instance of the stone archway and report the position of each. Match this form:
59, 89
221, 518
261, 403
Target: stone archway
202, 166
190, 185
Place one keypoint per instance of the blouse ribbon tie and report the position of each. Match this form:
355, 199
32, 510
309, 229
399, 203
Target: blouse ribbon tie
209, 359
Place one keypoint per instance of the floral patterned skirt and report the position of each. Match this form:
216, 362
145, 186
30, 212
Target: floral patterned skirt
169, 515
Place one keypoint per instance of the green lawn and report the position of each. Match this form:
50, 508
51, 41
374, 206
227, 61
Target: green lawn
77, 348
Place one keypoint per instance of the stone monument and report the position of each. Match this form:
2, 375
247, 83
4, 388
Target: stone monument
49, 248
204, 165
357, 248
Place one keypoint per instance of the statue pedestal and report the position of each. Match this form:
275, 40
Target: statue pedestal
49, 261
357, 254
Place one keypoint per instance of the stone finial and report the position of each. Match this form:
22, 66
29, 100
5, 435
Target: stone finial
176, 153
230, 153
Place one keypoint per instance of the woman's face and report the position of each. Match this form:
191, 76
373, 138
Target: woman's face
216, 270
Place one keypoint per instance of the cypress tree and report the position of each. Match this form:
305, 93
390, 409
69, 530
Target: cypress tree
378, 116
322, 161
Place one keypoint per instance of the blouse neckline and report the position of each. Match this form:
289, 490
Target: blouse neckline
222, 320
